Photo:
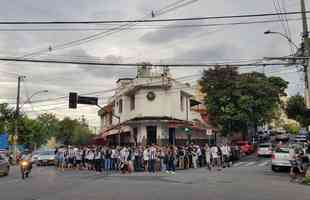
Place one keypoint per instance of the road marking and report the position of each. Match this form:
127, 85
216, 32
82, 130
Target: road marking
10, 181
250, 163
264, 163
238, 164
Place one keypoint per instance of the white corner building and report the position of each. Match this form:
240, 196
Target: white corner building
152, 108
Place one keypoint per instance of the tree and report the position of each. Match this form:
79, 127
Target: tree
50, 124
236, 101
7, 118
292, 128
72, 131
31, 133
296, 109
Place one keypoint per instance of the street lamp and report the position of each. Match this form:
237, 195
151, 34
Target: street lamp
34, 94
286, 37
15, 138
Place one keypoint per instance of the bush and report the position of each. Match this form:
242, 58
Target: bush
307, 180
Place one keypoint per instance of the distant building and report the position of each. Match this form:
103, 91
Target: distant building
152, 108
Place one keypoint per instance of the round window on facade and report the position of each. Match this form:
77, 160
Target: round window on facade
150, 96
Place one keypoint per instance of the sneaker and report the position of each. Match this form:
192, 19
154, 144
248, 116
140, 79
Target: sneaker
172, 172
167, 172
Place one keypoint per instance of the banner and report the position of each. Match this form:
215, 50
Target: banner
4, 144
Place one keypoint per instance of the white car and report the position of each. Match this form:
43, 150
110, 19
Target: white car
300, 138
280, 159
264, 149
46, 158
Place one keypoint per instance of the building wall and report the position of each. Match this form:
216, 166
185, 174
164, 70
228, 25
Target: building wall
166, 103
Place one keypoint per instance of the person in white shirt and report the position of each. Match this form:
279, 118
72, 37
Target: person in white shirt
152, 158
199, 155
194, 157
214, 154
97, 158
146, 158
225, 153
90, 159
208, 156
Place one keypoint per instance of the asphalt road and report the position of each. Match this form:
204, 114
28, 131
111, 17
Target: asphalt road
249, 179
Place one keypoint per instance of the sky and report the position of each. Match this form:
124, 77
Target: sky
143, 43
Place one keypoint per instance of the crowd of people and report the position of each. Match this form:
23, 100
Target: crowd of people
299, 162
150, 158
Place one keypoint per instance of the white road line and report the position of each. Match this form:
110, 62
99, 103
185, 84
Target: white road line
238, 164
250, 163
10, 181
264, 163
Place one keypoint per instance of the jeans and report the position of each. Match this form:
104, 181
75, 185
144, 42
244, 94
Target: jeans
152, 164
171, 165
98, 165
163, 166
103, 164
107, 163
137, 164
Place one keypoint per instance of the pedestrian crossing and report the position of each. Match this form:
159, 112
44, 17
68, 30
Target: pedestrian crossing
251, 163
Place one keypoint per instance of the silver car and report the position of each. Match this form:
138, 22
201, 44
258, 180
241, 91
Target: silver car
46, 158
4, 166
280, 159
264, 149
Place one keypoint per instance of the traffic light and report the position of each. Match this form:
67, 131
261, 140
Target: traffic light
73, 97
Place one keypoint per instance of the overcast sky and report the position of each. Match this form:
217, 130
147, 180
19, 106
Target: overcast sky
179, 45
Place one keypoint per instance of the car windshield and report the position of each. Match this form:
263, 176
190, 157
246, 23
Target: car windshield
47, 153
282, 150
264, 145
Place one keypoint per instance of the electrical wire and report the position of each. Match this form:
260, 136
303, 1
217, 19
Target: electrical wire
149, 20
144, 27
189, 65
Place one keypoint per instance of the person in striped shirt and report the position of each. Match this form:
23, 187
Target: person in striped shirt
152, 158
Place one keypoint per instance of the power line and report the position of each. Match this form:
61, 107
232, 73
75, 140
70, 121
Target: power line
135, 64
170, 7
143, 27
148, 20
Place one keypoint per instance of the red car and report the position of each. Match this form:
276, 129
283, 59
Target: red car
245, 147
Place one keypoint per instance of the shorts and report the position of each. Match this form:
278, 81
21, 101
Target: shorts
70, 160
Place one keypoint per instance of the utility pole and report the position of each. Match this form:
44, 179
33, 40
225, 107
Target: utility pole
15, 138
306, 52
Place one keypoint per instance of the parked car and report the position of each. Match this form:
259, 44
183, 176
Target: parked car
245, 147
4, 165
280, 159
282, 137
35, 156
300, 138
264, 149
46, 158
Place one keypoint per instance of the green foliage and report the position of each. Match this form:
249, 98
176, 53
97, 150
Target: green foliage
7, 117
36, 132
292, 128
72, 131
236, 100
306, 180
296, 109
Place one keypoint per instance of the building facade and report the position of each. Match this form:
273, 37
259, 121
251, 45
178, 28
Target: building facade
152, 108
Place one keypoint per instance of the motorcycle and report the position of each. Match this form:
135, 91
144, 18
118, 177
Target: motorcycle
25, 168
